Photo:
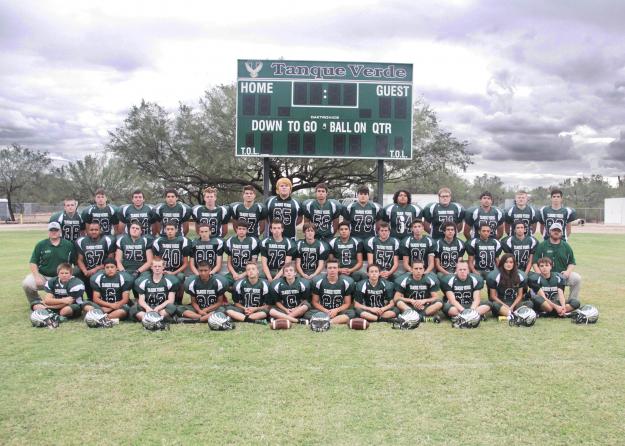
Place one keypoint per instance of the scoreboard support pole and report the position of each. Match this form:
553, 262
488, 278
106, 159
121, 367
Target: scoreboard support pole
266, 185
381, 182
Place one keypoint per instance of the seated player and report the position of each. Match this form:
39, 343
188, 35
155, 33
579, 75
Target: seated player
134, 251
348, 251
138, 212
207, 294
111, 291
92, 250
437, 214
241, 249
483, 252
373, 298
322, 213
289, 296
418, 246
172, 211
207, 249
548, 291
462, 291
383, 250
401, 214
333, 295
276, 252
216, 217
174, 250
157, 292
522, 245
506, 287
101, 213
63, 294
484, 213
249, 212
250, 297
311, 254
449, 251
418, 291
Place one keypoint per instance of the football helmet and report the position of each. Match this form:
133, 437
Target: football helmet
468, 318
220, 321
320, 321
44, 318
587, 314
408, 320
153, 321
522, 316
96, 318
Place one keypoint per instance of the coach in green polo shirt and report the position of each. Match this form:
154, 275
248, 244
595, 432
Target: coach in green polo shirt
47, 256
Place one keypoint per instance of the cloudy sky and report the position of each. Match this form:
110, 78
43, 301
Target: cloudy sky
537, 88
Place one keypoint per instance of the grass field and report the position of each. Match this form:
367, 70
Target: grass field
555, 383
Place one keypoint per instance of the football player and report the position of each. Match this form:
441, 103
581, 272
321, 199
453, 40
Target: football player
523, 212
102, 213
290, 295
157, 292
136, 211
362, 215
206, 291
521, 245
311, 254
506, 287
216, 217
134, 251
253, 214
418, 291
174, 250
63, 294
333, 295
462, 291
556, 213
172, 211
285, 208
70, 221
276, 251
449, 250
348, 251
111, 291
383, 251
373, 298
484, 213
250, 297
437, 214
241, 249
483, 252
548, 291
418, 246
207, 248
561, 253
401, 214
47, 255
92, 250
322, 213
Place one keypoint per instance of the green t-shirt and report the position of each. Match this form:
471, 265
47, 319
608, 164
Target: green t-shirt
376, 296
111, 289
48, 257
561, 254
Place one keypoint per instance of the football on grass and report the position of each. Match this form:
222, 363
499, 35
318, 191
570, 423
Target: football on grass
358, 324
280, 324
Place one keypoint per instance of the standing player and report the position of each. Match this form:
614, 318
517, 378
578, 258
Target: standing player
373, 298
437, 214
206, 248
174, 212
484, 213
362, 215
111, 292
134, 251
483, 252
333, 295
102, 213
384, 252
289, 296
401, 214
311, 254
285, 208
136, 211
92, 250
418, 246
241, 249
556, 213
206, 291
418, 291
156, 293
523, 212
70, 221
462, 291
548, 291
276, 251
521, 245
64, 293
322, 213
449, 251
174, 251
251, 213
348, 252
506, 287
250, 297
216, 217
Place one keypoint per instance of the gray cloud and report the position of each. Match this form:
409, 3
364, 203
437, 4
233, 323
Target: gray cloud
616, 149
532, 148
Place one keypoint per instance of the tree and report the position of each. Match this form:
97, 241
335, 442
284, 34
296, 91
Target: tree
19, 166
486, 183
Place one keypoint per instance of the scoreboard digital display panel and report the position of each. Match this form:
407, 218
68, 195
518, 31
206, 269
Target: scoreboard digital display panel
324, 109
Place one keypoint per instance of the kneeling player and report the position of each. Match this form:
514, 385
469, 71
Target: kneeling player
548, 290
111, 291
64, 293
289, 295
157, 292
506, 287
250, 296
462, 291
418, 291
373, 298
333, 295
206, 291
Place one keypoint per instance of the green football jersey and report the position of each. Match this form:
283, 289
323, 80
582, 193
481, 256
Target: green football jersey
462, 289
436, 215
485, 252
171, 251
276, 252
370, 295
362, 219
178, 215
332, 295
527, 215
205, 293
290, 295
207, 251
423, 288
144, 215
74, 288
134, 252
383, 251
242, 252
322, 216
493, 217
400, 218
561, 254
449, 253
507, 294
287, 211
156, 292
521, 249
48, 257
346, 252
214, 218
548, 216
94, 252
106, 217
71, 225
311, 253
550, 285
111, 289
423, 249
251, 294
252, 216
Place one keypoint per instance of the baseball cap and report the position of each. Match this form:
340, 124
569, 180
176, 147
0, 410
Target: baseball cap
54, 226
556, 226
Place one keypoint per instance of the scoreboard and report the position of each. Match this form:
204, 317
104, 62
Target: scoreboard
324, 109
